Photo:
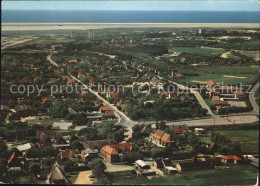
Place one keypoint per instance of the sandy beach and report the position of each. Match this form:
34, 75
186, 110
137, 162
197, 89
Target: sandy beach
85, 26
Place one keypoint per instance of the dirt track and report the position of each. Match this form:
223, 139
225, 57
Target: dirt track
83, 177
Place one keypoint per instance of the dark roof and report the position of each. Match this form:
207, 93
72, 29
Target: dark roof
98, 143
196, 165
167, 162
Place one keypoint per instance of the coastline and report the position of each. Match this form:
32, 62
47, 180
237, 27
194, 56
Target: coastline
84, 26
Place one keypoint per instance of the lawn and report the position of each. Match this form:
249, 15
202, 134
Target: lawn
247, 138
236, 174
227, 75
198, 50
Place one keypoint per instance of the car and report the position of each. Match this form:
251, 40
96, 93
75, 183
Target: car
91, 176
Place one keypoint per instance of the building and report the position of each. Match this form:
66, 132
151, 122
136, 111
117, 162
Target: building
73, 34
171, 170
158, 163
231, 159
161, 138
57, 175
24, 110
66, 154
178, 129
193, 166
89, 154
201, 31
141, 164
109, 153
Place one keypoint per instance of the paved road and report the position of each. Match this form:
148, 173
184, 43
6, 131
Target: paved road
252, 98
122, 118
197, 95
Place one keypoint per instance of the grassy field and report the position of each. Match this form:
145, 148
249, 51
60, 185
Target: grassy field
236, 174
227, 75
197, 50
247, 138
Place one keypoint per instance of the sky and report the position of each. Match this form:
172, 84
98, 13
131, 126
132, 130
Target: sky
133, 5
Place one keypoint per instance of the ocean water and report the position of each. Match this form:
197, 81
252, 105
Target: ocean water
61, 16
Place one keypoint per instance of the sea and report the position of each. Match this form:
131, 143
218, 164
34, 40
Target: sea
62, 16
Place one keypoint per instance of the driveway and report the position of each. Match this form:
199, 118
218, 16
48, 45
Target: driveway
83, 178
117, 168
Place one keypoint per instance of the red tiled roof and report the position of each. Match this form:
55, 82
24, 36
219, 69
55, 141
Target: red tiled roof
219, 102
143, 129
11, 158
47, 133
66, 154
47, 98
211, 83
109, 112
26, 79
166, 137
36, 78
104, 108
158, 134
109, 150
231, 157
73, 61
178, 129
122, 146
42, 145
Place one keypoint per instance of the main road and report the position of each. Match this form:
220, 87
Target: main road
122, 118
252, 98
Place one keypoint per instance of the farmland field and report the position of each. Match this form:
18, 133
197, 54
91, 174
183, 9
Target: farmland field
239, 174
198, 50
247, 138
227, 75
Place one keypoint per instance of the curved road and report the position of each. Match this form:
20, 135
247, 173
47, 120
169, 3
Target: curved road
122, 118
252, 98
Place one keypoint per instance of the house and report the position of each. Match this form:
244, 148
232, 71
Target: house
24, 110
37, 78
89, 154
4, 110
111, 94
104, 108
178, 129
26, 80
98, 144
57, 175
52, 80
141, 164
24, 147
211, 83
153, 68
231, 159
41, 144
216, 161
176, 74
199, 130
171, 170
167, 162
60, 140
161, 138
62, 147
14, 162
122, 147
220, 104
73, 61
193, 166
66, 154
109, 153
41, 134
46, 98
158, 163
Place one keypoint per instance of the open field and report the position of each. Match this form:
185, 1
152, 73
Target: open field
239, 174
249, 139
227, 75
196, 50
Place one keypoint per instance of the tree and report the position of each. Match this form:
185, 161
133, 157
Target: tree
77, 145
118, 136
98, 168
35, 169
68, 165
162, 125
